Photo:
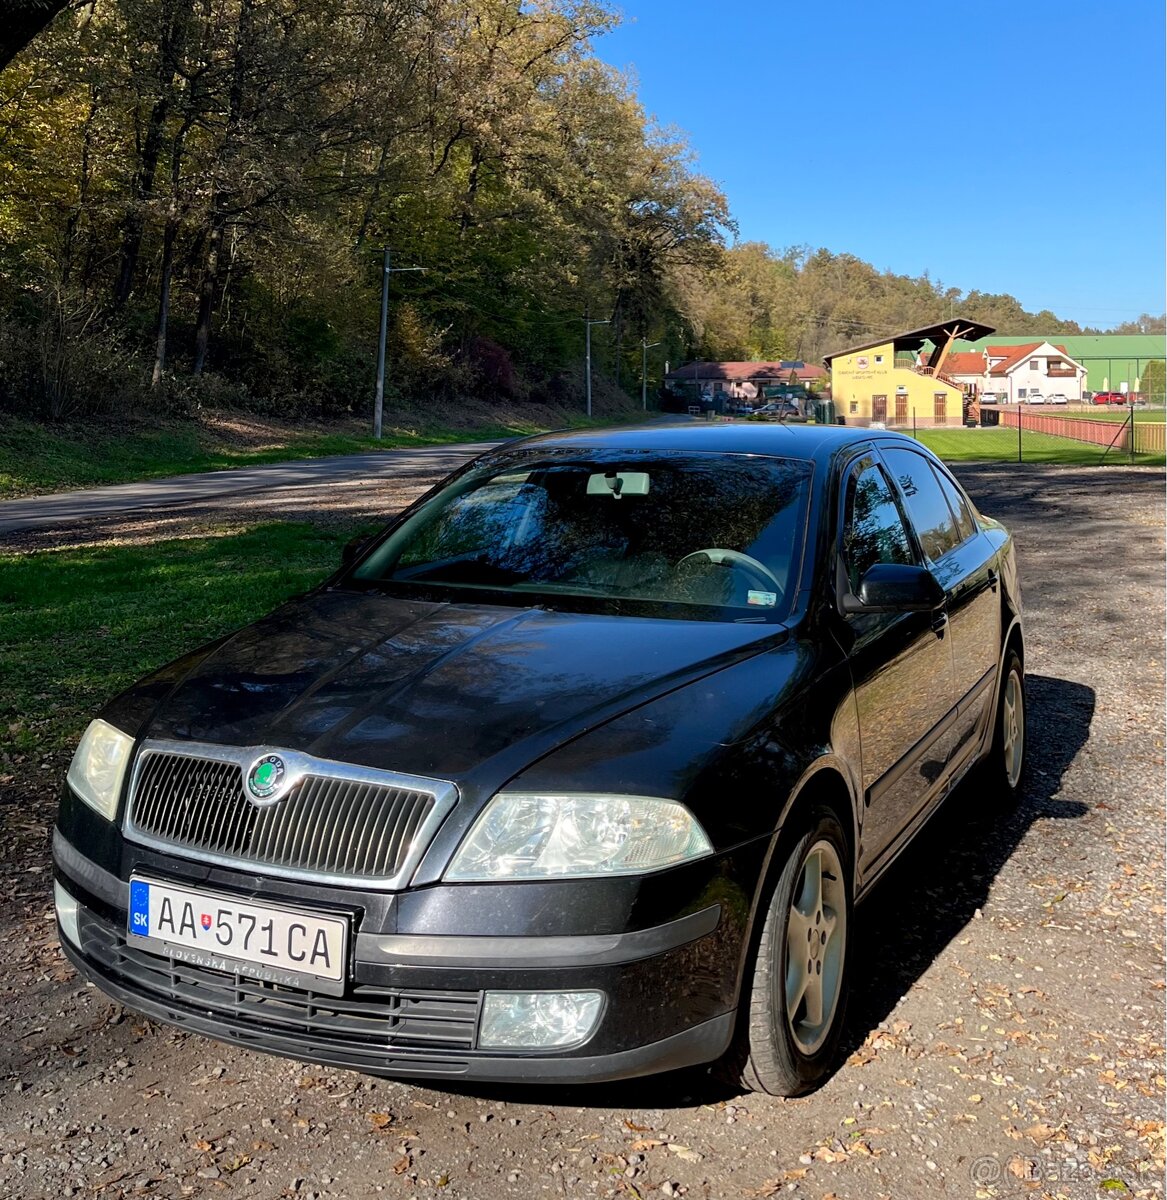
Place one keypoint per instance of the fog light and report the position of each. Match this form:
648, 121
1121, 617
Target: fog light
538, 1020
67, 914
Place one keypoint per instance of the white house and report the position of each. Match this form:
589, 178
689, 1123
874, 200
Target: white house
1014, 373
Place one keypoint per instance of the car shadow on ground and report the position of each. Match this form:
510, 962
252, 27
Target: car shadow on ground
927, 897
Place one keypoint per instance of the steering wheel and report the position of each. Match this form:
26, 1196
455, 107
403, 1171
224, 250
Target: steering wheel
735, 558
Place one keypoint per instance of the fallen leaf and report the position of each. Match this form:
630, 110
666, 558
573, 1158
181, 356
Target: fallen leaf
636, 1128
827, 1155
401, 1165
380, 1119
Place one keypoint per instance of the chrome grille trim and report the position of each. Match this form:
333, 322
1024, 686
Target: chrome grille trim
333, 822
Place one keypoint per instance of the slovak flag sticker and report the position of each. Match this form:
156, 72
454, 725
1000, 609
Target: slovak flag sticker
205, 920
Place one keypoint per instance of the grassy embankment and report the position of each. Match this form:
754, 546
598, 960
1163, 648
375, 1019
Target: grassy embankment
36, 458
78, 625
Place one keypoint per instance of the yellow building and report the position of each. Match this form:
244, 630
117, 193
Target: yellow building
900, 380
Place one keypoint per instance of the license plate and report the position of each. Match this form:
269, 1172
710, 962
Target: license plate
224, 933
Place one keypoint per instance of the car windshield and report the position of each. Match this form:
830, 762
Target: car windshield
711, 536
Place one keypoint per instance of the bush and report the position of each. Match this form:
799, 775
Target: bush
64, 361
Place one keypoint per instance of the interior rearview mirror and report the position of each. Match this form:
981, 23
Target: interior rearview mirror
891, 587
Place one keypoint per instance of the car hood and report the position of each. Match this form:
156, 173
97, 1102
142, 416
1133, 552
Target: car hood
444, 690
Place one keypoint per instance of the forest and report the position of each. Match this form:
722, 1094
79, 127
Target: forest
195, 196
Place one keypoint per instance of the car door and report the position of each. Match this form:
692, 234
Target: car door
964, 560
901, 667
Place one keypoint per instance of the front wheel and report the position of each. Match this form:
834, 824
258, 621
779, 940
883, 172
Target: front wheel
794, 1002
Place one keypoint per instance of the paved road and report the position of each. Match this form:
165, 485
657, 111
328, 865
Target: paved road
62, 509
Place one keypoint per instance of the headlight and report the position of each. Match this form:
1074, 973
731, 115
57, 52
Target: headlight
522, 836
99, 766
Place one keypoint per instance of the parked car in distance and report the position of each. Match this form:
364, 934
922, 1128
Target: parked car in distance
1109, 398
576, 771
990, 398
1035, 398
779, 408
1057, 398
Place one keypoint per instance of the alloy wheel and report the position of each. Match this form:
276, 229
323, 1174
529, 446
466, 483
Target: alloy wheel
816, 940
1013, 728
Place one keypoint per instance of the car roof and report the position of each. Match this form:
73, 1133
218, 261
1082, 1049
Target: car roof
812, 442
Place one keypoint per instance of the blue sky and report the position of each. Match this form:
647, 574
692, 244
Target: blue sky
1011, 147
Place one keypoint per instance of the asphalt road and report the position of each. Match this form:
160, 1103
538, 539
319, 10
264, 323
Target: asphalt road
65, 509
1005, 1038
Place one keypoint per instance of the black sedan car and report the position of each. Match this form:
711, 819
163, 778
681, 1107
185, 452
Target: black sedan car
574, 772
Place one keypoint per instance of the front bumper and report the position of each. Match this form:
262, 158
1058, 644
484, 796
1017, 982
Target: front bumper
412, 1004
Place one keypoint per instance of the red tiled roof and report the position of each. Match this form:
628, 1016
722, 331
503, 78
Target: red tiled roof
1012, 356
965, 362
740, 371
972, 362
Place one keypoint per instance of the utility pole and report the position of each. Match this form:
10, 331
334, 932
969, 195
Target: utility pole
387, 269
588, 323
645, 347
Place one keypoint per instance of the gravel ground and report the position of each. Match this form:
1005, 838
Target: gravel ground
1005, 1039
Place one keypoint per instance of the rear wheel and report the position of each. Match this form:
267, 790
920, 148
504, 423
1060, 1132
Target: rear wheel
1005, 766
794, 1002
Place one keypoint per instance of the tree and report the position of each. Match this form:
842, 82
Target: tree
1153, 384
23, 20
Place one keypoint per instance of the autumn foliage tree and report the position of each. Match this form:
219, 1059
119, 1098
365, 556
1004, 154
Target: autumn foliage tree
205, 185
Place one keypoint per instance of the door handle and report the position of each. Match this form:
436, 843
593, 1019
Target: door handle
939, 622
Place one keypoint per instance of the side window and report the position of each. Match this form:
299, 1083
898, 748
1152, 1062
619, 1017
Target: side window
927, 506
873, 530
959, 505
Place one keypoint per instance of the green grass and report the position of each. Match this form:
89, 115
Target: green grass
1000, 445
77, 626
35, 458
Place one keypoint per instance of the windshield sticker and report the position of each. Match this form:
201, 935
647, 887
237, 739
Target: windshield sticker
762, 599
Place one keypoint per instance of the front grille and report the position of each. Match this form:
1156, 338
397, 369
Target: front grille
335, 828
367, 1018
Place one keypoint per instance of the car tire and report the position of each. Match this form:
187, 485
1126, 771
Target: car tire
1003, 772
774, 1053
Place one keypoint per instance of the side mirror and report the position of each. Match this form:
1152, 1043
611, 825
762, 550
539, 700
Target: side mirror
353, 547
890, 587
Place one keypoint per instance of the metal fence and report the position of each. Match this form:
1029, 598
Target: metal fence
1023, 433
1078, 435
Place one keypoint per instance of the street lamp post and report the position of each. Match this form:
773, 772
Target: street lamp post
588, 323
645, 347
387, 269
